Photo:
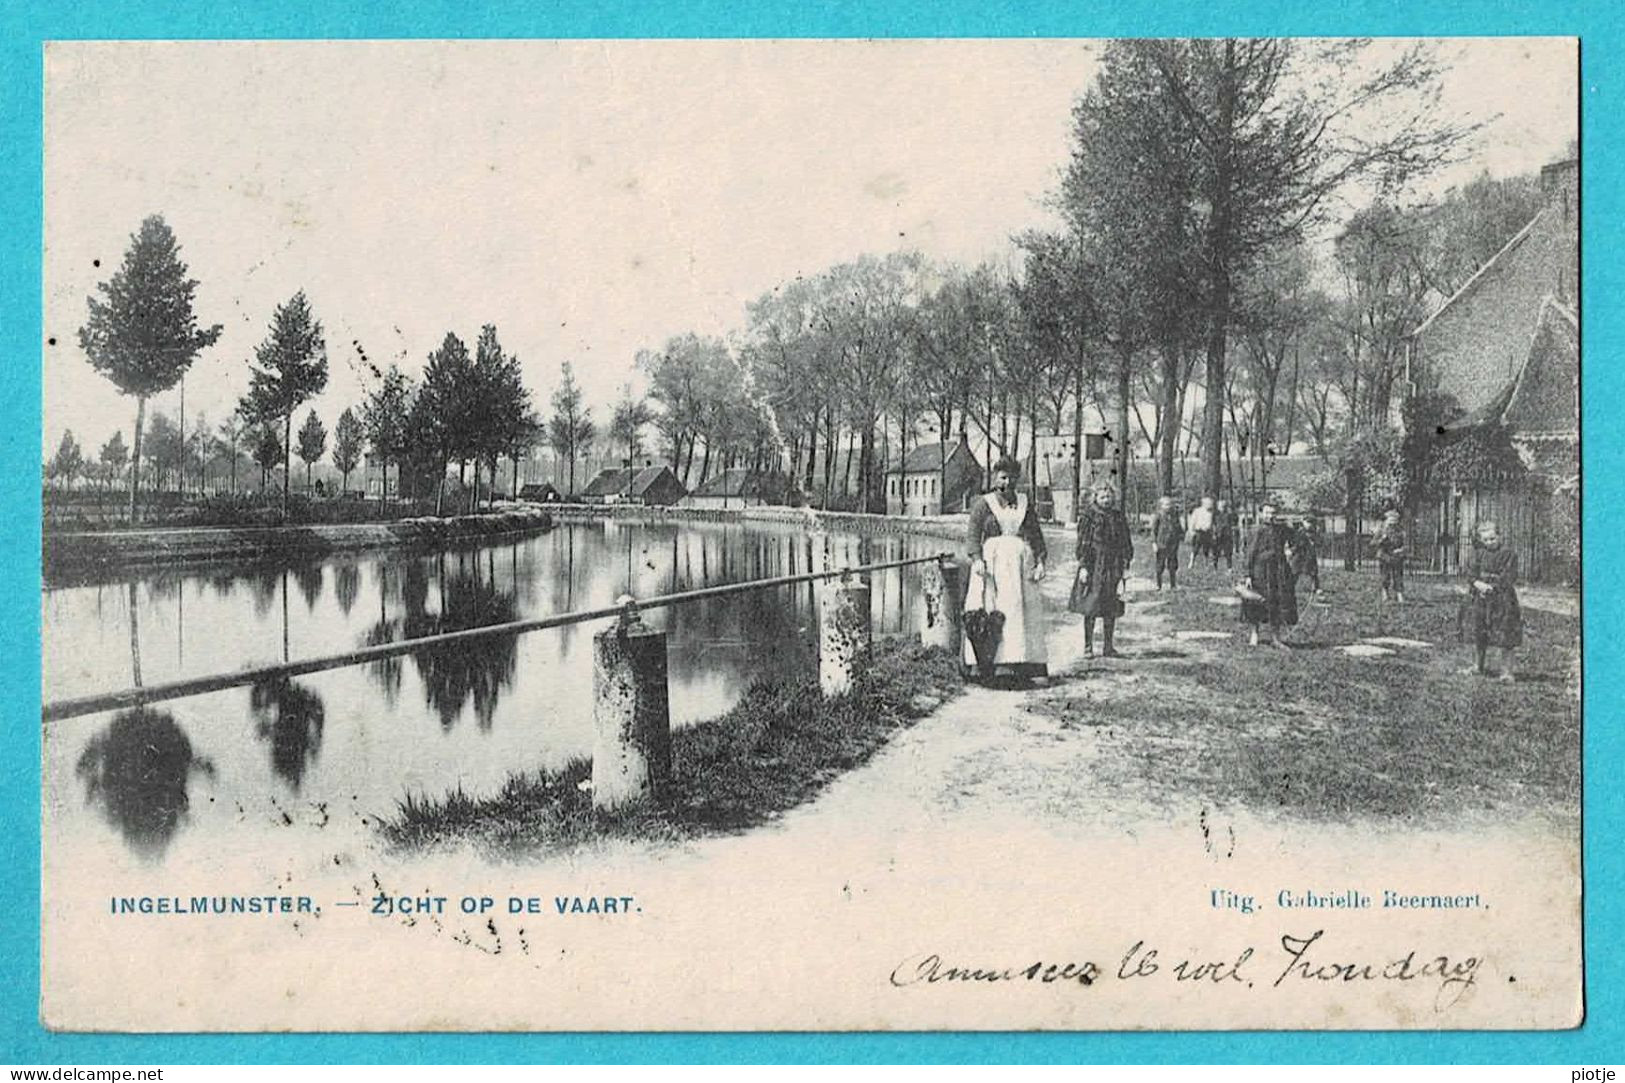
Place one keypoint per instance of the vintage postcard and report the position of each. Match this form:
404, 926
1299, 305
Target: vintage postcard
811, 535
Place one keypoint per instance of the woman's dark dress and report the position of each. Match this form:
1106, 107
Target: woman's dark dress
1105, 548
1493, 619
1271, 572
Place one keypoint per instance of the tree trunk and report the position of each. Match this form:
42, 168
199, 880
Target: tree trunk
1292, 402
1077, 433
1032, 451
1172, 411
846, 473
830, 439
1218, 259
812, 454
135, 455
1351, 520
1124, 393
287, 458
866, 450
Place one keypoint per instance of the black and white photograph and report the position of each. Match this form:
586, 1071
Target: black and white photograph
811, 535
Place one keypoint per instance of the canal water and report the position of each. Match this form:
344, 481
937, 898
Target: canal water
321, 757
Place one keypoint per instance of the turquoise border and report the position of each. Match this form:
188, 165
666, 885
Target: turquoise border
24, 25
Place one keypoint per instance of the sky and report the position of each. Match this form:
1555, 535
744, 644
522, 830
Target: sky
590, 199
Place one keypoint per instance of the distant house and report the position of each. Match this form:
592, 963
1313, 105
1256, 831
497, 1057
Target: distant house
739, 488
1506, 348
544, 492
607, 487
655, 485
925, 483
378, 481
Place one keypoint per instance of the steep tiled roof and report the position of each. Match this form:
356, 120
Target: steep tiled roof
741, 482
607, 483
927, 458
647, 477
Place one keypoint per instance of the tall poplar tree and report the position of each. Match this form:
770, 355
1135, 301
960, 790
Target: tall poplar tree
348, 439
312, 443
384, 416
571, 427
142, 333
289, 367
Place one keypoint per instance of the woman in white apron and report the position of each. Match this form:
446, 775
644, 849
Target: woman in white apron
1006, 565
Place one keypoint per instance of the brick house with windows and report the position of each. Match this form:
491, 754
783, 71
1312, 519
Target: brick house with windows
926, 484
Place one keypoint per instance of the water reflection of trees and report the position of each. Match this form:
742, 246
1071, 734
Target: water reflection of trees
309, 578
137, 770
577, 567
346, 585
466, 594
457, 674
291, 716
264, 580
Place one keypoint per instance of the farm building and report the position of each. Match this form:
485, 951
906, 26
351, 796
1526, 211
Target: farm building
607, 487
739, 488
541, 492
655, 485
1506, 349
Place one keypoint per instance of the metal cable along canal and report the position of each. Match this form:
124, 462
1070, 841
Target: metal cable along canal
58, 710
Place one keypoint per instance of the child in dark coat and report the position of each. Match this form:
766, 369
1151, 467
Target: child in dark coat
1271, 596
1306, 552
1167, 531
1390, 544
1490, 615
1105, 550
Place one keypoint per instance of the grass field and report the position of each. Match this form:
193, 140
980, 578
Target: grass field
777, 748
1190, 713
1318, 733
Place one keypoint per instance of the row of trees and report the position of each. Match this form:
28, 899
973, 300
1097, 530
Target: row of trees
468, 409
208, 460
142, 334
1182, 306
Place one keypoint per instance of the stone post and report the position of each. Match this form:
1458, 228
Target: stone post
940, 598
844, 632
631, 759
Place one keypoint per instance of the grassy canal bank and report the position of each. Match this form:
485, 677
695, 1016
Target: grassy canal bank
91, 552
776, 749
86, 553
